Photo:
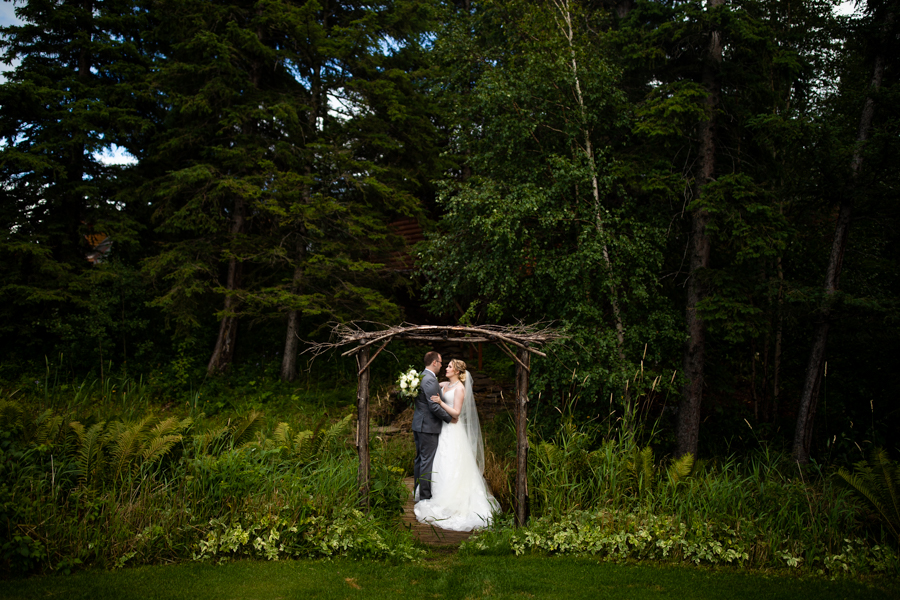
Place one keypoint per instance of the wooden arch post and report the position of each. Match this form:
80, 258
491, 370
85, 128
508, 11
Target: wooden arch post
362, 426
523, 370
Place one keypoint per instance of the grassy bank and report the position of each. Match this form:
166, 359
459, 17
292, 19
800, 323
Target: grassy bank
447, 577
121, 480
90, 488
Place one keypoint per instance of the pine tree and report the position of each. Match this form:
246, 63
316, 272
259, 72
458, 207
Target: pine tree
69, 99
758, 65
368, 63
275, 193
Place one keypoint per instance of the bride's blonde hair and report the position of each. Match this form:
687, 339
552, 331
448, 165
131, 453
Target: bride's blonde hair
460, 367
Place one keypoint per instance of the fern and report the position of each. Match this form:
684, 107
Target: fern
170, 425
648, 469
303, 447
212, 441
12, 416
113, 452
243, 431
306, 446
890, 474
126, 441
877, 481
159, 440
681, 468
157, 449
282, 436
49, 429
642, 470
333, 434
78, 429
547, 453
90, 453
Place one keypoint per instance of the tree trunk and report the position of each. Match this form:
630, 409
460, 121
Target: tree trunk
779, 332
623, 8
224, 351
688, 432
815, 369
71, 248
753, 395
289, 360
762, 392
764, 386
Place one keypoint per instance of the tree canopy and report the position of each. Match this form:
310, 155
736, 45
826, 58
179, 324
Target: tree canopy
700, 195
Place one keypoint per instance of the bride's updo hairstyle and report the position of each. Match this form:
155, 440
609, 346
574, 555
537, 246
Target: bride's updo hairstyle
460, 367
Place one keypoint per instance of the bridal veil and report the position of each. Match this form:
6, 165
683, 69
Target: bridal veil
468, 418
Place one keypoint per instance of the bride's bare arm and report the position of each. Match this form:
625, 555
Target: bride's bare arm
458, 399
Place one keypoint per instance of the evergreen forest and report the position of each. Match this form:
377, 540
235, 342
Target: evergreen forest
697, 194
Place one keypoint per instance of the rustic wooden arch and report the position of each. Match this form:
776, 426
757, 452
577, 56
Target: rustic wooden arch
524, 338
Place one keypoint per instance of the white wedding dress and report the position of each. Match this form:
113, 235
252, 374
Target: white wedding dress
460, 498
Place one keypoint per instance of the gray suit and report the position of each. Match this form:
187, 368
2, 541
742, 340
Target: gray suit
426, 426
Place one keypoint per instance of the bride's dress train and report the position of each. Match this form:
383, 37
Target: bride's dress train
460, 498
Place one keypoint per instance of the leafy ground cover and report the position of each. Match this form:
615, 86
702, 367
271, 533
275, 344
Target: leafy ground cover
443, 577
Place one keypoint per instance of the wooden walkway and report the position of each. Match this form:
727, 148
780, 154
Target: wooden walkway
429, 534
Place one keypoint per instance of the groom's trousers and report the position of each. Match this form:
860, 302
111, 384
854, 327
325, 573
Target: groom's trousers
426, 447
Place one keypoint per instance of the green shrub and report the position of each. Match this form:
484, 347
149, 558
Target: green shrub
343, 532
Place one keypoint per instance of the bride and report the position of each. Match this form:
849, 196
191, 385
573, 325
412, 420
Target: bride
460, 498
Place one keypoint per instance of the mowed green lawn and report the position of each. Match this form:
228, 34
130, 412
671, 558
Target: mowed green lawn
443, 577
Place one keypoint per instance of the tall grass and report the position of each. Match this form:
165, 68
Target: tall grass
612, 496
115, 392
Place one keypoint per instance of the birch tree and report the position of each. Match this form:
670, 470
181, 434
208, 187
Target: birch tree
539, 225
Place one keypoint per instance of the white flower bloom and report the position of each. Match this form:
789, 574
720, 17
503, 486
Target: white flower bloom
408, 382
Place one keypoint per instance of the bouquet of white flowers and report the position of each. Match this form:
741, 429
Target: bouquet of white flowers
408, 383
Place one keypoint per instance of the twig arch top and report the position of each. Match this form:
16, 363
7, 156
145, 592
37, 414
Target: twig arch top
365, 333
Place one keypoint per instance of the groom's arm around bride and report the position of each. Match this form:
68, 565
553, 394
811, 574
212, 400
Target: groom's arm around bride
428, 389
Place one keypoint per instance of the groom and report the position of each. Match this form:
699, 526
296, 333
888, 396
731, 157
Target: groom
426, 424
